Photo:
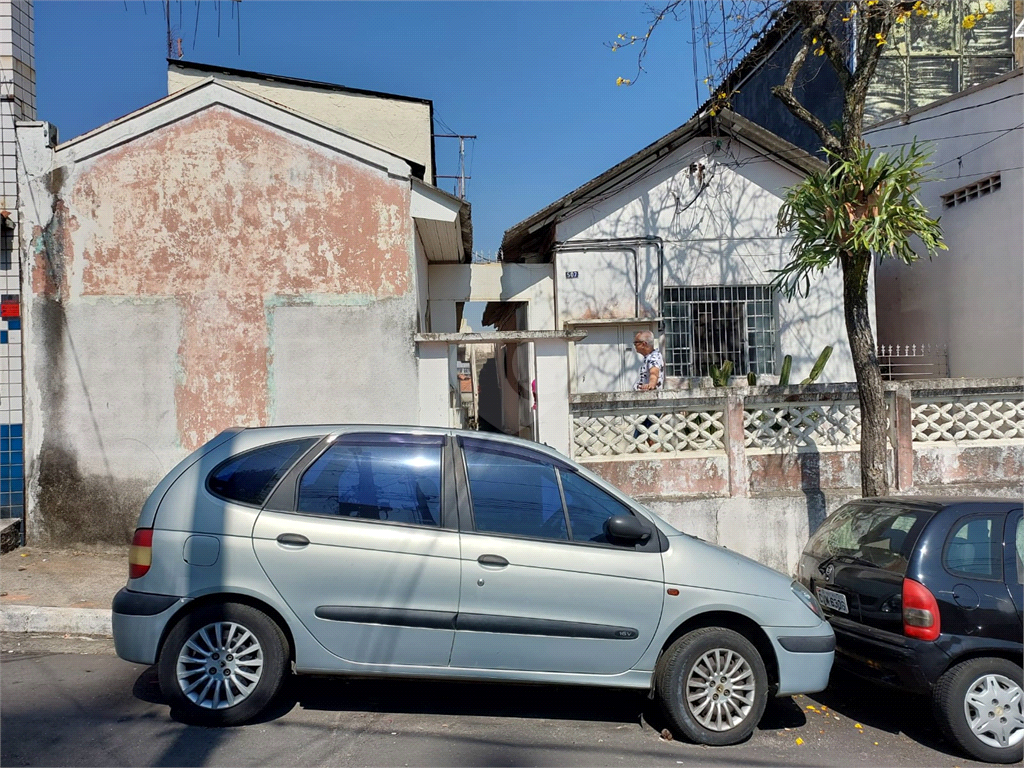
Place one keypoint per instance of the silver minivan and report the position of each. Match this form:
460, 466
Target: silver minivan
415, 551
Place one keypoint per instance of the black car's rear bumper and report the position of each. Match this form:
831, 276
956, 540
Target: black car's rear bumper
902, 662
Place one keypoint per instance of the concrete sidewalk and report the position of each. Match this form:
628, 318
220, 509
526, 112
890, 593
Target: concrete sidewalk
63, 591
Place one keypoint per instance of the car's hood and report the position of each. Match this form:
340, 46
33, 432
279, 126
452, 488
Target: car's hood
697, 563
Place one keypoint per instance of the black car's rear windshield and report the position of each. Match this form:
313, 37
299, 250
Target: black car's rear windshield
870, 534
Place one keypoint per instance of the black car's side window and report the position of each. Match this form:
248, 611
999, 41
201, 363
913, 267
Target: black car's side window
1015, 549
395, 481
588, 508
974, 546
514, 495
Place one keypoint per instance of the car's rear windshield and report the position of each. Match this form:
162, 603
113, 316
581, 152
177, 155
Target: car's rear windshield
870, 534
250, 477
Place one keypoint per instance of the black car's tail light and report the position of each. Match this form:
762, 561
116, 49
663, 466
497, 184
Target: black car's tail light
920, 611
140, 555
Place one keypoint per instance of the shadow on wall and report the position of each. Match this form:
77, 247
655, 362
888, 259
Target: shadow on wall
810, 484
77, 509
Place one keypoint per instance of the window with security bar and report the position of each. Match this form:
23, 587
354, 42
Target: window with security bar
707, 325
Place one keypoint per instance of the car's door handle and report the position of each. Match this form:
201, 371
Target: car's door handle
293, 540
497, 560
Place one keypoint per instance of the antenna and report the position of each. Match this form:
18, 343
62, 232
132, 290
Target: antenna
462, 177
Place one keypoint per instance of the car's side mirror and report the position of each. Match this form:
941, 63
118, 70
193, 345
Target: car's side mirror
626, 528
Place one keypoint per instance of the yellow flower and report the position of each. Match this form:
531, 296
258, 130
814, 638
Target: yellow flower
969, 22
820, 51
872, 2
880, 38
621, 81
814, 41
989, 8
853, 10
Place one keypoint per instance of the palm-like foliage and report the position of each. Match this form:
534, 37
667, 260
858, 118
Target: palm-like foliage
862, 205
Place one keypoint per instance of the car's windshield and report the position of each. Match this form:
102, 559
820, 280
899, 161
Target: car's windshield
881, 536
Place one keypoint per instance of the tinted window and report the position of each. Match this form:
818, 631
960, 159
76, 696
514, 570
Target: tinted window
588, 508
513, 494
1018, 540
250, 477
973, 548
396, 481
875, 535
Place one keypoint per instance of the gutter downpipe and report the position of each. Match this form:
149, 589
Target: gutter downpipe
630, 244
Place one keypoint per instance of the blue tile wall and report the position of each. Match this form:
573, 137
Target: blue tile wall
12, 468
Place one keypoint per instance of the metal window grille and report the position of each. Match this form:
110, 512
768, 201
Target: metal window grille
707, 325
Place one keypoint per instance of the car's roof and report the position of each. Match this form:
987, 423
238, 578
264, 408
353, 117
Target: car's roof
295, 430
938, 503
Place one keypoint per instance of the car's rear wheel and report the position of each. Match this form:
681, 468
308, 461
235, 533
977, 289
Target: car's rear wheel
222, 664
713, 686
980, 703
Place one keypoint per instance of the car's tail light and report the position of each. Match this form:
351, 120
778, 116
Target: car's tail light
920, 611
140, 556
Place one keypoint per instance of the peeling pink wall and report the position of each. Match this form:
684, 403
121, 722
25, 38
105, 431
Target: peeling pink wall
223, 213
645, 478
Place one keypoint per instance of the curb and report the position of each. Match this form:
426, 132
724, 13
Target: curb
78, 621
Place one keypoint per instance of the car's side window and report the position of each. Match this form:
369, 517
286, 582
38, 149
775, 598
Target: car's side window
974, 546
513, 494
250, 477
1015, 545
395, 481
588, 508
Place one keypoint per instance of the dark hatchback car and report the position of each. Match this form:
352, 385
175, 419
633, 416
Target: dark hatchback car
925, 595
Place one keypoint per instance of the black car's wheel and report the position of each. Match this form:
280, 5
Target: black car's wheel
222, 664
979, 702
713, 686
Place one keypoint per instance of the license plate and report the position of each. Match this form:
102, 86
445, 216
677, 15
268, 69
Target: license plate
834, 600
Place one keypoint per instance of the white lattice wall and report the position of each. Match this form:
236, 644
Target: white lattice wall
788, 426
617, 434
997, 417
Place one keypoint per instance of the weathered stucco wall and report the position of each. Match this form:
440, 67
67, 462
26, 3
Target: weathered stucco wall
212, 271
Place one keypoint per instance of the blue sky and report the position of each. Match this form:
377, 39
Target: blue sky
532, 80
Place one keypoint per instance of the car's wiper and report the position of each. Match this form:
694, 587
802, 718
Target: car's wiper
843, 559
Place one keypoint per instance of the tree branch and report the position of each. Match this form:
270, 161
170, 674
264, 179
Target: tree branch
784, 93
815, 17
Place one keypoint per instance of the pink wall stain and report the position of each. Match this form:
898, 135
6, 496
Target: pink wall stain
222, 212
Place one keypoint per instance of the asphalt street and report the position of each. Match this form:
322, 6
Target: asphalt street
71, 701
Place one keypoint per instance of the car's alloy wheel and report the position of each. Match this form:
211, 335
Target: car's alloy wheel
981, 702
222, 664
713, 686
720, 689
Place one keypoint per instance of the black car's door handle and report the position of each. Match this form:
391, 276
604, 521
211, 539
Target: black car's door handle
497, 560
293, 540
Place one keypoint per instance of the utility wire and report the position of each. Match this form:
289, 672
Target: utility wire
943, 114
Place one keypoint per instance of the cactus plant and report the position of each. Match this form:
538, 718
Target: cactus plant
752, 379
787, 364
819, 366
720, 376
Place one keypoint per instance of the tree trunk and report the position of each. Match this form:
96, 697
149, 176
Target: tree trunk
873, 418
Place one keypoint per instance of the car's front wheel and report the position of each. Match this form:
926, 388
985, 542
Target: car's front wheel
713, 686
980, 703
222, 664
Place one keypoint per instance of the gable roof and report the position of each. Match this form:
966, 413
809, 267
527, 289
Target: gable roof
533, 235
209, 92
